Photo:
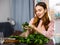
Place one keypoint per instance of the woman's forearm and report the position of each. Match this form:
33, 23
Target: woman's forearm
47, 34
36, 29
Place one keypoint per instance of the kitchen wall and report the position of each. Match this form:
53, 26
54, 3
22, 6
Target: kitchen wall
57, 31
4, 10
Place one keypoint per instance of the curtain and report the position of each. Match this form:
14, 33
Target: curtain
22, 11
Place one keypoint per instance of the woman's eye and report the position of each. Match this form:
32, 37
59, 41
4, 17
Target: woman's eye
39, 10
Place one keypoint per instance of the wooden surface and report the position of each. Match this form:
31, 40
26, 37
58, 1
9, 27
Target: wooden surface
10, 41
16, 32
15, 41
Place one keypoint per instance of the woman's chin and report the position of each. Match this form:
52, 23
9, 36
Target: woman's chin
39, 17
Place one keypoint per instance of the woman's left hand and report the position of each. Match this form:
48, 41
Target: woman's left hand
41, 27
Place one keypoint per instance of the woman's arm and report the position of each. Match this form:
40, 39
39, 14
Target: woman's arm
41, 29
50, 32
31, 24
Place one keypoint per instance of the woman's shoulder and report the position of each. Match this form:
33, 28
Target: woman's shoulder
51, 22
31, 21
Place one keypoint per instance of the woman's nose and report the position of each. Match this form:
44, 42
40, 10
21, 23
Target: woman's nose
38, 13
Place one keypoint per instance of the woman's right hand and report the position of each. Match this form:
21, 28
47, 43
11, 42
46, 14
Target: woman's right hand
40, 25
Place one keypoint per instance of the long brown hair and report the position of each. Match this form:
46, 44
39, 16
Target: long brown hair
45, 18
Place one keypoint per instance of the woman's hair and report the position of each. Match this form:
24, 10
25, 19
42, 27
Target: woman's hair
45, 18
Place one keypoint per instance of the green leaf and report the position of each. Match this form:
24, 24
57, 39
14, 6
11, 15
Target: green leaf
40, 41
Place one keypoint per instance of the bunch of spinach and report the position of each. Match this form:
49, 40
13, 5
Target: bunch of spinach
34, 38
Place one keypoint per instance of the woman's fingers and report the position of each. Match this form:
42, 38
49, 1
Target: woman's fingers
40, 24
28, 28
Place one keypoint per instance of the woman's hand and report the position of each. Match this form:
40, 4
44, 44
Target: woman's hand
25, 34
40, 26
28, 28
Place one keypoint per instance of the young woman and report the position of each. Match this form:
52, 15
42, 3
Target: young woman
41, 22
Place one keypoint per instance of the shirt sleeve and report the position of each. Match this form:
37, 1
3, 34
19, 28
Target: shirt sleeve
50, 32
31, 21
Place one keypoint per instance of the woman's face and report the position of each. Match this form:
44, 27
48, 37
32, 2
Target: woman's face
40, 11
